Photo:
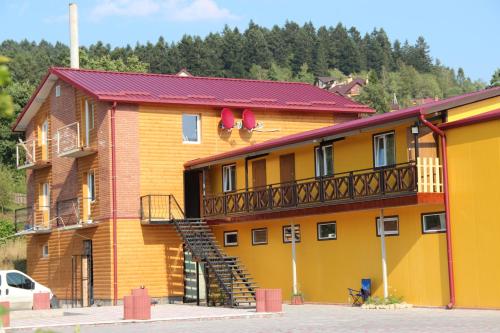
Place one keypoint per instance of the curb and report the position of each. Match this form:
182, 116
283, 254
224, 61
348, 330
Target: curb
134, 321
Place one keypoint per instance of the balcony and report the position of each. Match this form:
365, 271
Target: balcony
68, 213
160, 208
26, 155
70, 144
352, 189
28, 220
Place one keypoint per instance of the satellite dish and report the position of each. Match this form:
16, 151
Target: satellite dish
227, 119
249, 119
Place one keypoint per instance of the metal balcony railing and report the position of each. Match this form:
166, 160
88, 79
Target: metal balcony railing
160, 208
32, 219
358, 185
25, 154
68, 212
68, 139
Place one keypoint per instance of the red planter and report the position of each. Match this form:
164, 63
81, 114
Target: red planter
41, 301
137, 306
140, 292
5, 318
128, 307
297, 300
260, 298
274, 301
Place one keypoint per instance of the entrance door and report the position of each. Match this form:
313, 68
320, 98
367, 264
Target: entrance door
259, 182
194, 280
287, 179
192, 193
87, 274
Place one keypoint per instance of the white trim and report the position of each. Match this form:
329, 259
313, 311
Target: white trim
376, 147
320, 224
227, 233
58, 90
253, 236
198, 128
45, 250
388, 232
227, 181
442, 220
324, 161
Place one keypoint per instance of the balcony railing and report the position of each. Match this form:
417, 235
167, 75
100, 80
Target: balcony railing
350, 186
68, 212
69, 143
28, 219
25, 154
157, 208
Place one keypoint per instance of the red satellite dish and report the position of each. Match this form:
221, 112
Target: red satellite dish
227, 118
249, 119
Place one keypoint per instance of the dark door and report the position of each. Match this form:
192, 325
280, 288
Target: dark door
87, 260
287, 180
192, 193
259, 182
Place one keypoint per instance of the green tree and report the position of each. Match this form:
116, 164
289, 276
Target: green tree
304, 75
131, 64
495, 78
258, 73
374, 94
278, 73
6, 105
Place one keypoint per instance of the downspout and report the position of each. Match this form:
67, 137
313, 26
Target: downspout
113, 191
451, 276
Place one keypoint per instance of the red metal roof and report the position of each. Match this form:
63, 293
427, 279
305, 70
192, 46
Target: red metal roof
192, 90
349, 126
480, 118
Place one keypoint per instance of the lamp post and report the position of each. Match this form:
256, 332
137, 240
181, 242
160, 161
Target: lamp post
382, 243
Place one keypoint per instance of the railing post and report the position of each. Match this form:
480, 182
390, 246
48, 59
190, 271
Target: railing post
322, 189
169, 207
351, 185
224, 203
381, 181
149, 208
270, 194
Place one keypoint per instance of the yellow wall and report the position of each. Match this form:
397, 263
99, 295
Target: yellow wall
416, 262
352, 153
474, 165
473, 109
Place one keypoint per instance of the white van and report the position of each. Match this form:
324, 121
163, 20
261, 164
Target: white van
18, 289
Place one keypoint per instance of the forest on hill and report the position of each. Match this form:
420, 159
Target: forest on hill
290, 52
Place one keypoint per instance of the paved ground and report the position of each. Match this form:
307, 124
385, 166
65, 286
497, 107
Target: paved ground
322, 318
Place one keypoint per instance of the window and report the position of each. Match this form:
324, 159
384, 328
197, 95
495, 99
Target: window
45, 132
191, 128
45, 250
229, 178
327, 230
89, 121
324, 160
91, 185
259, 236
391, 226
58, 90
433, 223
287, 233
384, 152
45, 198
18, 280
230, 238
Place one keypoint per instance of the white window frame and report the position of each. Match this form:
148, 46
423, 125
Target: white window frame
297, 232
442, 216
376, 143
198, 128
228, 233
321, 172
330, 237
58, 90
45, 250
45, 196
254, 242
91, 186
388, 232
227, 180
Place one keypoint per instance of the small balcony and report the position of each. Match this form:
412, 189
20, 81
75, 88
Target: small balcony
26, 155
28, 220
160, 208
68, 213
352, 189
70, 144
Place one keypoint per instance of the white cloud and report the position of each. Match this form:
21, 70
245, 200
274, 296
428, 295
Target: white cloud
175, 10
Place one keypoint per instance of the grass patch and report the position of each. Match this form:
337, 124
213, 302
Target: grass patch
13, 254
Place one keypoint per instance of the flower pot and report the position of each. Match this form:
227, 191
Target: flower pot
297, 300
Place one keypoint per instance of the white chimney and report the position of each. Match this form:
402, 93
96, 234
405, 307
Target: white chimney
73, 31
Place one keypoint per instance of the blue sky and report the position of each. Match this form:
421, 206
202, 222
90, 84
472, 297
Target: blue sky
460, 33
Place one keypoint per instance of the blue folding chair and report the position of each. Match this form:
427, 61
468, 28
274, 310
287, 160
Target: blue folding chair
360, 296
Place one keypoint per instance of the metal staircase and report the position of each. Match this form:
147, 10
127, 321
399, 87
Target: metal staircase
227, 280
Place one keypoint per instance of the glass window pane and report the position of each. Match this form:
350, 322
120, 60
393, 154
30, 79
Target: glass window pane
434, 223
190, 128
328, 160
230, 238
259, 236
390, 150
327, 230
317, 162
287, 233
391, 226
17, 280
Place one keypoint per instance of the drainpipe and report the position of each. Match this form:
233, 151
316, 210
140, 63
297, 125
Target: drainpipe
113, 191
451, 276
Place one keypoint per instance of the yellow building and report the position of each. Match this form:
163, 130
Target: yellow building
334, 183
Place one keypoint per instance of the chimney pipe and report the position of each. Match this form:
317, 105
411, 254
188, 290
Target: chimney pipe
73, 30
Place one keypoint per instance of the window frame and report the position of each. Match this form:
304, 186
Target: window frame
231, 232
374, 150
198, 128
45, 204
226, 166
45, 253
297, 226
423, 215
91, 192
319, 224
320, 166
17, 286
392, 233
58, 90
260, 243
